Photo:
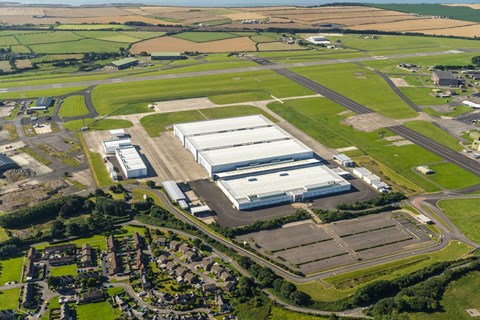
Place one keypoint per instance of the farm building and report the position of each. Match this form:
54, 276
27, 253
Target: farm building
109, 146
42, 103
256, 163
131, 163
6, 163
343, 160
123, 63
167, 56
444, 78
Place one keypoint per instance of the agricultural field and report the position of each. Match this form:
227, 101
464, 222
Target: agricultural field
92, 27
204, 36
453, 12
133, 97
464, 214
157, 123
73, 106
173, 44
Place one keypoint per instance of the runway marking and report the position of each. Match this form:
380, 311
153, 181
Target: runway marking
57, 85
117, 80
3, 90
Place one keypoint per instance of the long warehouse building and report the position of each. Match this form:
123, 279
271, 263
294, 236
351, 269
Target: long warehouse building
256, 163
131, 162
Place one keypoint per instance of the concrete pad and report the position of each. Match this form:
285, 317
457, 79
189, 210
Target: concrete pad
473, 312
84, 177
5, 110
43, 128
369, 122
394, 138
351, 148
4, 135
402, 143
26, 161
400, 82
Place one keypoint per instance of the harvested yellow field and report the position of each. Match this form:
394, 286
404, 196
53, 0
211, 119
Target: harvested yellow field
471, 5
172, 44
367, 20
21, 11
388, 16
323, 10
167, 9
182, 15
24, 63
84, 12
468, 31
278, 46
244, 16
413, 25
123, 19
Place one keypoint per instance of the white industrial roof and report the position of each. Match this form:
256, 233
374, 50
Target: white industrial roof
281, 181
173, 190
342, 157
255, 152
117, 131
199, 209
130, 158
237, 138
268, 168
230, 124
115, 143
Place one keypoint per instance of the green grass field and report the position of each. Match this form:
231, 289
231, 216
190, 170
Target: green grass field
347, 283
433, 132
3, 235
9, 299
464, 214
283, 314
112, 36
93, 124
63, 270
319, 118
73, 106
157, 123
454, 113
422, 97
77, 46
143, 34
364, 87
41, 93
10, 270
99, 170
47, 37
460, 295
205, 36
93, 27
460, 12
124, 98
99, 310
452, 177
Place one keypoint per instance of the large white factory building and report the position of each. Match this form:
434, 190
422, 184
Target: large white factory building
256, 163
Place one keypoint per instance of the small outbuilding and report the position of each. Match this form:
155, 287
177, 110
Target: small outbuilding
167, 56
42, 103
425, 170
343, 160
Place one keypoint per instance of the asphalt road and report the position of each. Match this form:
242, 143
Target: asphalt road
224, 71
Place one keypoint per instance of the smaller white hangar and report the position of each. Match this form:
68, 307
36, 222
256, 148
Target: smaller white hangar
256, 163
131, 163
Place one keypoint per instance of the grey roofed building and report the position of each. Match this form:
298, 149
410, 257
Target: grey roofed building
167, 56
6, 163
44, 102
124, 63
444, 78
173, 191
8, 314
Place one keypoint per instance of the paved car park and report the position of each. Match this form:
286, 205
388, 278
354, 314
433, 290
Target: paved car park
308, 247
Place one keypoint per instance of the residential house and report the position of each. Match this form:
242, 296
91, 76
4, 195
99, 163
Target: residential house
174, 245
190, 278
28, 296
91, 296
122, 305
209, 287
190, 255
137, 240
206, 264
112, 244
86, 255
114, 265
65, 312
228, 287
8, 314
217, 269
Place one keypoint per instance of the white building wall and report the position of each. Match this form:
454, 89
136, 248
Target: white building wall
178, 133
190, 147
